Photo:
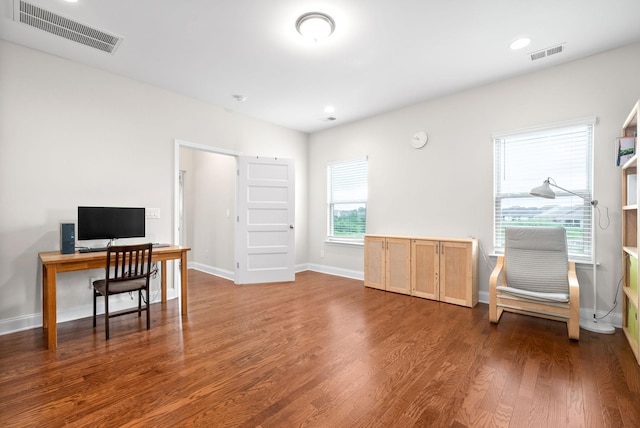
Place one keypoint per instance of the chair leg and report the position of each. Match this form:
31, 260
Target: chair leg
106, 316
148, 310
139, 303
94, 308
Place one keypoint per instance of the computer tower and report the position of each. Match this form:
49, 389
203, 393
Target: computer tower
67, 238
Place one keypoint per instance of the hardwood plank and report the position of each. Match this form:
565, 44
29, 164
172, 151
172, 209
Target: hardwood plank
321, 351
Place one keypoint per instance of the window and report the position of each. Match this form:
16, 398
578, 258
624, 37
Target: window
523, 160
347, 200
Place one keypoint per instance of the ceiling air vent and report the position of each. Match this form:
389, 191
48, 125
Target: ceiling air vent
53, 23
547, 52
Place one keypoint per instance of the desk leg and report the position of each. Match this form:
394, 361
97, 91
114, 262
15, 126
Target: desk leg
49, 305
163, 280
183, 282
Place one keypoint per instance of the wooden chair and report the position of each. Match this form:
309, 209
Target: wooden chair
128, 269
535, 277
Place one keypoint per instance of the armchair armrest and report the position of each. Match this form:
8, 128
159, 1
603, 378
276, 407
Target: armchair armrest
574, 303
496, 279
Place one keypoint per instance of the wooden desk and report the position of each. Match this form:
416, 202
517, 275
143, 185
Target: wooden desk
53, 262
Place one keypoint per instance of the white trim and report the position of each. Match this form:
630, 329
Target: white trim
117, 303
346, 273
211, 270
348, 243
27, 322
592, 120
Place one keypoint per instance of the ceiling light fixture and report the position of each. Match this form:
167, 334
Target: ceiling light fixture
520, 43
240, 98
315, 26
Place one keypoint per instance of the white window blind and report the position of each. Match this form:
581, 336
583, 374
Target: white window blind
347, 199
523, 160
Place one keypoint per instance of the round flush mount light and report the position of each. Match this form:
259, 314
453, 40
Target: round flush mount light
520, 43
315, 26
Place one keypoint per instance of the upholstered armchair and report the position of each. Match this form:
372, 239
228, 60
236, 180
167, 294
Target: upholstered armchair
535, 277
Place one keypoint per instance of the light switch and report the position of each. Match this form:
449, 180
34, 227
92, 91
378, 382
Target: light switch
152, 212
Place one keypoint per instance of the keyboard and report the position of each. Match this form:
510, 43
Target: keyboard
92, 250
99, 249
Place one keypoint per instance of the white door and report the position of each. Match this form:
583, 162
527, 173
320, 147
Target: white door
265, 234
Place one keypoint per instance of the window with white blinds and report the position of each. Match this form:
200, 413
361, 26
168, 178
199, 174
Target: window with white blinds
347, 200
523, 160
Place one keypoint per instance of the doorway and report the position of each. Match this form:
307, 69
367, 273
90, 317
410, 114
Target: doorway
206, 215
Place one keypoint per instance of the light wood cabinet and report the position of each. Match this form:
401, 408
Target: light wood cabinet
432, 268
374, 262
387, 263
630, 237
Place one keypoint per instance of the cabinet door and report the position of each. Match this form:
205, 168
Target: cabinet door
457, 271
424, 269
374, 267
398, 263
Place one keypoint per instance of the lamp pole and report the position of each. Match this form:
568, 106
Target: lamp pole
593, 324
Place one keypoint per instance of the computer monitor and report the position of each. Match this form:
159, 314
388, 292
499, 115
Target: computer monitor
110, 222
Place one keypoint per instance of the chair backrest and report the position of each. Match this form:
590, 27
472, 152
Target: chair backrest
127, 262
536, 259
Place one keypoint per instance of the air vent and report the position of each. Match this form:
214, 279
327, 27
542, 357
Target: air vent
53, 23
554, 50
547, 52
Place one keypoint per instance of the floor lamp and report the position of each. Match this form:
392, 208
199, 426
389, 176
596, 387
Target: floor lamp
593, 325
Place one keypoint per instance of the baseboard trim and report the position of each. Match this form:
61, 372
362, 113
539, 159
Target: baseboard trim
26, 322
117, 303
222, 273
346, 273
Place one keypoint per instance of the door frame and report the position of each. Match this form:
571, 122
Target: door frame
180, 144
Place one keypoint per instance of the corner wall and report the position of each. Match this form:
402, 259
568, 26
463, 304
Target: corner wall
73, 135
446, 188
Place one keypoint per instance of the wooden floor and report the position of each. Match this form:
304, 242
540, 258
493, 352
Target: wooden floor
324, 352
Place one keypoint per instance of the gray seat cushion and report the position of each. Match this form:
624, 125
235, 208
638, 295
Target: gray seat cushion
532, 295
536, 259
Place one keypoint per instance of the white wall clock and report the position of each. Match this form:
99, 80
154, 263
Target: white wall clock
419, 139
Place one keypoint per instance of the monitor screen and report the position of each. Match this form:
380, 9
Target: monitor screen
110, 223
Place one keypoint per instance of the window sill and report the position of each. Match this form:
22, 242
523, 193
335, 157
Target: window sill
344, 242
577, 262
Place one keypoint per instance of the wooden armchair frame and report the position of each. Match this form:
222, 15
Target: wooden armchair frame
568, 312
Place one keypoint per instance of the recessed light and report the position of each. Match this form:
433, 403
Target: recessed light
329, 109
71, 1
240, 98
520, 43
315, 26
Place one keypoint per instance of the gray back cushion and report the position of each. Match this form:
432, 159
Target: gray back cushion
536, 259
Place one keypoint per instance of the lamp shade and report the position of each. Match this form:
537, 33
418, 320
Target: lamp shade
543, 191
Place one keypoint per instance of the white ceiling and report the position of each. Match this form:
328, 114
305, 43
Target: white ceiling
383, 55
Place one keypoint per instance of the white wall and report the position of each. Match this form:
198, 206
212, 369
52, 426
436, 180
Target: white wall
445, 189
73, 135
214, 176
